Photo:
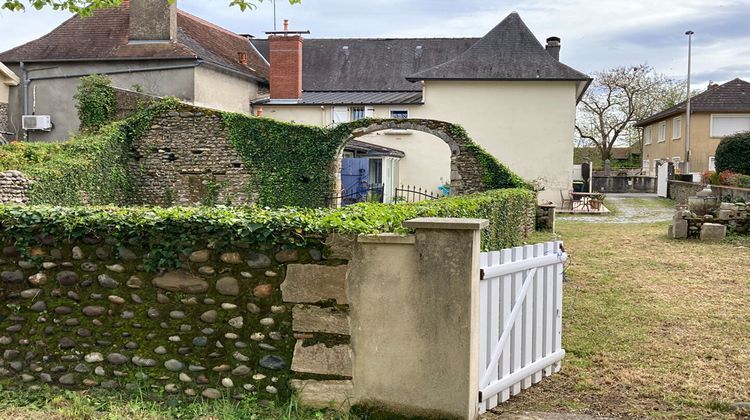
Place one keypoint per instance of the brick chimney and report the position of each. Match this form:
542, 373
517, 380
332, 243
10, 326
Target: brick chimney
553, 47
285, 50
152, 21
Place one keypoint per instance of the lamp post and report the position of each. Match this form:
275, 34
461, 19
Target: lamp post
687, 110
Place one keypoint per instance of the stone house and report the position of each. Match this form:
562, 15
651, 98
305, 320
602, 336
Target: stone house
145, 45
719, 111
512, 95
9, 79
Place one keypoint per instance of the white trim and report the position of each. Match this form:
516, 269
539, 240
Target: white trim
648, 139
392, 110
711, 122
677, 123
10, 78
712, 163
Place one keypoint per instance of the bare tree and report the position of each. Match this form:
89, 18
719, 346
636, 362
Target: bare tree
619, 97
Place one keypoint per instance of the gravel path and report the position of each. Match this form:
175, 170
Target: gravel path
630, 208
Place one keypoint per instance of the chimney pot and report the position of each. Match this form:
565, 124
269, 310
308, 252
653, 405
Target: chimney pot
242, 57
553, 47
286, 25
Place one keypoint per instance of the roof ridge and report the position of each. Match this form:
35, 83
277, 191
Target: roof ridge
213, 25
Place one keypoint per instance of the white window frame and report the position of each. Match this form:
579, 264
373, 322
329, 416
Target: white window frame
676, 128
646, 166
711, 123
712, 163
662, 132
648, 133
356, 109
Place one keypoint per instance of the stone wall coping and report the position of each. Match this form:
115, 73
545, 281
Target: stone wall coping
547, 206
446, 223
386, 238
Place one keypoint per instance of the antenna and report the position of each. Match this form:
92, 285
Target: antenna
274, 15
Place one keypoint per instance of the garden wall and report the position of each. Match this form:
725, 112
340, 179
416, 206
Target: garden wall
4, 121
14, 188
680, 191
624, 184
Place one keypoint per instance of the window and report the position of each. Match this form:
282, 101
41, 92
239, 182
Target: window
726, 125
340, 114
712, 163
358, 112
662, 131
676, 128
400, 113
647, 135
646, 167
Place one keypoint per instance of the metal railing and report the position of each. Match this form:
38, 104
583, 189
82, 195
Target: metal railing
368, 193
411, 194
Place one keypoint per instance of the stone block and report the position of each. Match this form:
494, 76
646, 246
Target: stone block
713, 232
322, 360
321, 320
679, 229
181, 281
727, 214
340, 247
324, 394
310, 283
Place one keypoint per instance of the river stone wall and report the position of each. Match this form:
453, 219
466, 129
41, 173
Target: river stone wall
4, 120
229, 322
14, 188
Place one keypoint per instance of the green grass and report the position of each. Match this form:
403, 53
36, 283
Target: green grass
56, 404
652, 327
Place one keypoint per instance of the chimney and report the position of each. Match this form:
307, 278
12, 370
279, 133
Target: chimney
242, 58
285, 51
152, 21
553, 47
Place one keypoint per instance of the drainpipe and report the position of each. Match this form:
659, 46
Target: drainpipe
26, 82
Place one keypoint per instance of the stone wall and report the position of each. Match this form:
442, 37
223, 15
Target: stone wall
545, 217
624, 184
4, 121
14, 188
229, 321
680, 191
186, 158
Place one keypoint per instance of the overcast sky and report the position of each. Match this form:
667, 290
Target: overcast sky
596, 34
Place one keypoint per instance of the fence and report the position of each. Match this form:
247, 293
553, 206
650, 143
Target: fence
411, 194
368, 192
520, 319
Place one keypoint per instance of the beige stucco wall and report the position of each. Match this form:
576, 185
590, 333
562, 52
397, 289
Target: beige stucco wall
4, 90
702, 145
214, 89
526, 125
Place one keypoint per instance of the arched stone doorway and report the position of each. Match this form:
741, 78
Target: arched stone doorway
468, 161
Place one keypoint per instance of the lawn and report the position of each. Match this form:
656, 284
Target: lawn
652, 327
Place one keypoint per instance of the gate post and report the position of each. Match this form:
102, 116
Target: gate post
414, 304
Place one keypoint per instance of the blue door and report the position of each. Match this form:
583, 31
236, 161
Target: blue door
354, 178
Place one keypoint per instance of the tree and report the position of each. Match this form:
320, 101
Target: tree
85, 7
619, 97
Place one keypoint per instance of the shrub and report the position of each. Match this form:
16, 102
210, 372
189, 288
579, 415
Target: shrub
733, 153
96, 101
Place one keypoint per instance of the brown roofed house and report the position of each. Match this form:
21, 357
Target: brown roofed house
719, 111
146, 44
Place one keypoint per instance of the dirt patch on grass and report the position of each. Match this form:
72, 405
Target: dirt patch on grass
652, 327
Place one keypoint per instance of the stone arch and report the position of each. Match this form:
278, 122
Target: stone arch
467, 171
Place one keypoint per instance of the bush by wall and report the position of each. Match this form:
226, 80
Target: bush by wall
733, 153
96, 102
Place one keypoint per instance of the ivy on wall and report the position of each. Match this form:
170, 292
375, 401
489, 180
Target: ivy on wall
171, 233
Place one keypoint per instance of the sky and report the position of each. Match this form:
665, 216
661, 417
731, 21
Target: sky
596, 34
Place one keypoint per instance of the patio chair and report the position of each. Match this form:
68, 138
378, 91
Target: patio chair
564, 201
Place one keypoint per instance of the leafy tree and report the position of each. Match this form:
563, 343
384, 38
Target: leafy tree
619, 97
85, 7
733, 153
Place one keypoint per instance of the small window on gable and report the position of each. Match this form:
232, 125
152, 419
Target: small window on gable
676, 128
662, 131
400, 113
647, 132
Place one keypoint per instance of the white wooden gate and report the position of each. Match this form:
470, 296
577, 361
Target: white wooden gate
520, 319
662, 179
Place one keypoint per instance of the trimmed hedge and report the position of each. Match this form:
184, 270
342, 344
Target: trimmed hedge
171, 232
733, 153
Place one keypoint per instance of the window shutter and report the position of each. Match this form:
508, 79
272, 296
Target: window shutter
340, 114
369, 112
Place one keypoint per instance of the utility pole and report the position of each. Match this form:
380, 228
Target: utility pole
687, 110
274, 15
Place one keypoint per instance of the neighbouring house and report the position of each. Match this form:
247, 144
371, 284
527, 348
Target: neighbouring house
512, 95
9, 79
719, 111
619, 156
145, 45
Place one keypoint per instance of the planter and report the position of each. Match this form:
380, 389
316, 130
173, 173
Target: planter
595, 204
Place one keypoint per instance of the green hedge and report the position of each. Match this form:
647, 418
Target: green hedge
170, 232
733, 153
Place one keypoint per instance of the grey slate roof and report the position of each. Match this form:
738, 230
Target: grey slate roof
352, 98
732, 96
510, 51
371, 150
352, 64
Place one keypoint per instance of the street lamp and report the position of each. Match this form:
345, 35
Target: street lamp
687, 110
